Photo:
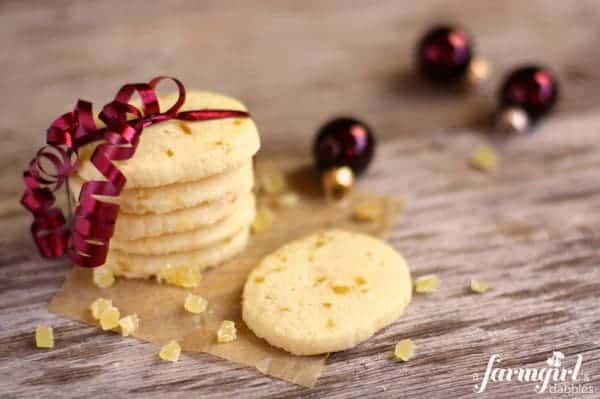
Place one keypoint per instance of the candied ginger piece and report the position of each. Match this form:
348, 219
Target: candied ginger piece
341, 287
288, 200
195, 304
227, 332
99, 306
186, 276
484, 159
109, 318
272, 182
44, 336
103, 276
367, 211
262, 221
170, 351
129, 324
479, 287
404, 350
426, 284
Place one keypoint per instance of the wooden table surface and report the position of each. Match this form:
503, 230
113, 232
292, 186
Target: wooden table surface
530, 229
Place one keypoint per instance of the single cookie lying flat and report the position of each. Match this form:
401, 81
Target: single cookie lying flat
326, 292
176, 151
172, 197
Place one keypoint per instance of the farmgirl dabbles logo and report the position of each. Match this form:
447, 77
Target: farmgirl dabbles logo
557, 377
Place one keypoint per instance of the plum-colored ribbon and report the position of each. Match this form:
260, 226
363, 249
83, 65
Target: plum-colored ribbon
86, 242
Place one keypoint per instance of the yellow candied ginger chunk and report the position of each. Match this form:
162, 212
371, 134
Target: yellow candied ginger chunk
288, 200
367, 211
109, 318
99, 306
170, 351
426, 284
44, 336
129, 324
227, 332
195, 304
479, 287
186, 276
404, 350
484, 159
103, 276
262, 221
272, 182
341, 287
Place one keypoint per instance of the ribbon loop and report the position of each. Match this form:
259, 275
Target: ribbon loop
86, 243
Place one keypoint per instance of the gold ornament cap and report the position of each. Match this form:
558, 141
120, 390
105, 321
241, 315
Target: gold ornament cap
337, 182
513, 120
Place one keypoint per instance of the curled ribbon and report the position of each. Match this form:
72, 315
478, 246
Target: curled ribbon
86, 243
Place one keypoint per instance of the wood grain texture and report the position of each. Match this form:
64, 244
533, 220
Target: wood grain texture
530, 230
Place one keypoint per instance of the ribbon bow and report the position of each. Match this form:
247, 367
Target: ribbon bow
86, 243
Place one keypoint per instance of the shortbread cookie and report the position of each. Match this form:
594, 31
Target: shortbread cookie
177, 196
326, 292
133, 227
177, 151
145, 266
188, 240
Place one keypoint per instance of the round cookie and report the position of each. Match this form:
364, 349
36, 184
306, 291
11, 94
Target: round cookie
176, 151
133, 227
145, 266
177, 196
188, 240
326, 292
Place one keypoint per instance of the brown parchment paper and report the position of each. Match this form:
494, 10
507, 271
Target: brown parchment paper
160, 307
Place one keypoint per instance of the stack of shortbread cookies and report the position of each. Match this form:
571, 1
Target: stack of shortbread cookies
188, 201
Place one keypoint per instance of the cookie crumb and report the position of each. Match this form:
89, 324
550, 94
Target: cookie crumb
404, 350
186, 276
479, 287
484, 159
272, 182
170, 152
44, 336
262, 221
170, 351
109, 318
195, 304
103, 277
367, 211
129, 324
426, 284
99, 306
227, 332
288, 200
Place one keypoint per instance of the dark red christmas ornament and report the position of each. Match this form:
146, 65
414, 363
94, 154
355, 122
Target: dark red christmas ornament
532, 88
343, 148
527, 94
444, 54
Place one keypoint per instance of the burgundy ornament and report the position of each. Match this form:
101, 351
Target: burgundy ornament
444, 54
344, 142
342, 149
531, 88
